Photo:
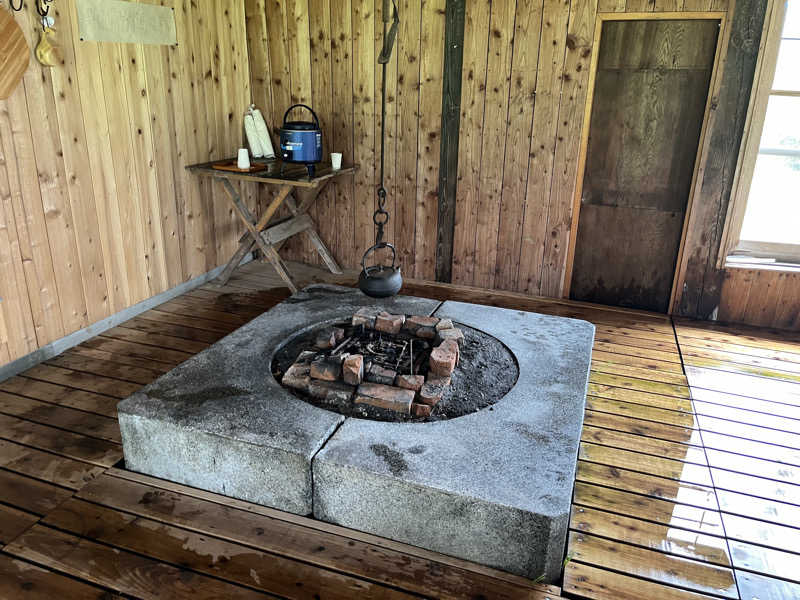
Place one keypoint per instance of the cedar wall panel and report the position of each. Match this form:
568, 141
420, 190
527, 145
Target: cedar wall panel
325, 53
96, 210
522, 107
760, 297
524, 85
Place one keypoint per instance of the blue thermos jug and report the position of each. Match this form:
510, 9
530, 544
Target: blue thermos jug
301, 141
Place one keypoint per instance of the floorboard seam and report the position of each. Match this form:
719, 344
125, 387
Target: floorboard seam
710, 470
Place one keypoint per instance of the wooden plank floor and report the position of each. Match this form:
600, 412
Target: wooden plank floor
688, 479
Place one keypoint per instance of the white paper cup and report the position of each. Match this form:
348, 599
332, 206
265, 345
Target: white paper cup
336, 160
243, 160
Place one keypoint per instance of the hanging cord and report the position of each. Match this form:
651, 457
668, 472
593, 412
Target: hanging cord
381, 215
43, 8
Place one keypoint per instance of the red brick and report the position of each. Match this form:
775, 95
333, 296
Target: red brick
330, 391
385, 396
442, 361
329, 337
444, 324
378, 374
326, 369
306, 357
325, 340
427, 333
452, 346
450, 334
353, 369
409, 382
297, 377
365, 316
413, 323
421, 410
430, 394
389, 323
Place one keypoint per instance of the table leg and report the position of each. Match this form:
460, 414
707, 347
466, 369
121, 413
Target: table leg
245, 246
274, 206
307, 199
254, 229
246, 242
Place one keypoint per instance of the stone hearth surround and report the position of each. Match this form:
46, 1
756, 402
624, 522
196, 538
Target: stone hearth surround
493, 487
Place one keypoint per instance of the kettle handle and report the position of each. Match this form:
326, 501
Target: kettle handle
372, 249
307, 107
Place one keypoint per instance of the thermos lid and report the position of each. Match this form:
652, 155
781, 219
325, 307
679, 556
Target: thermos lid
300, 126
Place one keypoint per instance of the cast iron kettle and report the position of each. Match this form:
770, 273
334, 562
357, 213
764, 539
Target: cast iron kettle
382, 281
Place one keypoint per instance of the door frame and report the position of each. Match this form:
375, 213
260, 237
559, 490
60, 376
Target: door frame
703, 143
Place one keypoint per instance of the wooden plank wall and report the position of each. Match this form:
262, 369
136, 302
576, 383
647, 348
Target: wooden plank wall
523, 100
760, 297
325, 53
96, 211
523, 88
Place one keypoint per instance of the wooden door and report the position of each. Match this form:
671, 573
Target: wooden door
651, 87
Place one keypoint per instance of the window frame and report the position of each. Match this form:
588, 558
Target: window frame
733, 251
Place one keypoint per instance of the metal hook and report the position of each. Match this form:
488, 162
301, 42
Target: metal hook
43, 7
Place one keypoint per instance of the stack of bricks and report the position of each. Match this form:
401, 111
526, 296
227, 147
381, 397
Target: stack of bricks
344, 378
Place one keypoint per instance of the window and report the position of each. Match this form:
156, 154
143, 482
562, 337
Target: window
763, 226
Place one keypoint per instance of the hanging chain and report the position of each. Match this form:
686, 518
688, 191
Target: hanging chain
381, 215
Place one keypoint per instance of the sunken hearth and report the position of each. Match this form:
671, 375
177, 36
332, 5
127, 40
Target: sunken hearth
492, 486
389, 367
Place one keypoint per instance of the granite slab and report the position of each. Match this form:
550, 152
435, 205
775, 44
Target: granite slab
492, 487
220, 421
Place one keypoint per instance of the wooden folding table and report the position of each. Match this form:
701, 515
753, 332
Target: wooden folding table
297, 190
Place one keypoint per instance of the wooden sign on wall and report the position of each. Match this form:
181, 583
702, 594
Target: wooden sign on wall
126, 22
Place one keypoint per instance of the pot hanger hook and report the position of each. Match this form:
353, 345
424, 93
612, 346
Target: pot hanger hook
388, 41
